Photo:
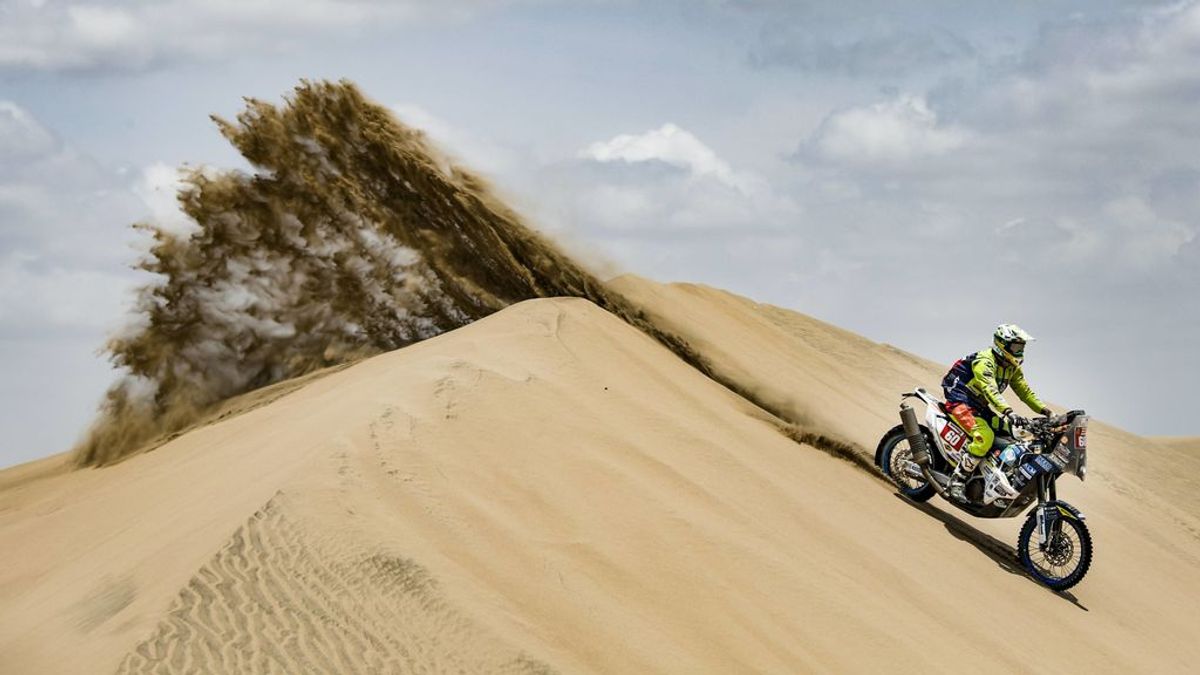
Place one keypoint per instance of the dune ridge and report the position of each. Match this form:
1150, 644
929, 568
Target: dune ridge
849, 387
581, 500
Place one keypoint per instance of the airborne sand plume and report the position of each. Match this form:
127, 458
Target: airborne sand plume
352, 236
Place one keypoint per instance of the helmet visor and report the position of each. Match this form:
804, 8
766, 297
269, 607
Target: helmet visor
1016, 348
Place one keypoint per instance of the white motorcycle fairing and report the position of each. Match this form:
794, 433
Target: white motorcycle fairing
951, 441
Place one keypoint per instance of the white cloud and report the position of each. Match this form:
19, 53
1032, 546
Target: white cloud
98, 27
674, 146
51, 197
40, 298
663, 181
64, 233
136, 34
1060, 188
1145, 238
1085, 149
158, 188
901, 129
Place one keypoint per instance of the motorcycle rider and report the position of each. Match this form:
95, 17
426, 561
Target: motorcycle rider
974, 390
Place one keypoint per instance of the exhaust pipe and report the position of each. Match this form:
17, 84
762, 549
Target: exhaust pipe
920, 450
916, 439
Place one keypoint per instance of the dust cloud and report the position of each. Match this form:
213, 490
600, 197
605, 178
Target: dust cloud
352, 235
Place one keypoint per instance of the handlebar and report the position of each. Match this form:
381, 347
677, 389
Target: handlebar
1054, 424
1043, 425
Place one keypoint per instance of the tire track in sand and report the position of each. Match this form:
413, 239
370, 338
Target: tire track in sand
275, 600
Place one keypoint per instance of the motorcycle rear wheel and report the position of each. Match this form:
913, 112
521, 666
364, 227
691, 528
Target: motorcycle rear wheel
891, 455
1065, 560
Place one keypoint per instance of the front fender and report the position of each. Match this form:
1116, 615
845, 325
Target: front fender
1068, 511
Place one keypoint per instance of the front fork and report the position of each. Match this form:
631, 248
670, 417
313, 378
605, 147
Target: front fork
1047, 511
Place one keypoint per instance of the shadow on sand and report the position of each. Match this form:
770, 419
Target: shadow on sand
1001, 553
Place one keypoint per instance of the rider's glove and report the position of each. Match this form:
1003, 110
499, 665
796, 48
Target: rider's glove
1014, 420
1047, 412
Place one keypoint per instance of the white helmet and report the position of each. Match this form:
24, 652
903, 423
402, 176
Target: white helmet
1008, 342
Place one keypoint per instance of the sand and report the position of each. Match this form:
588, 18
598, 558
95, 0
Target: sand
847, 386
1182, 443
549, 490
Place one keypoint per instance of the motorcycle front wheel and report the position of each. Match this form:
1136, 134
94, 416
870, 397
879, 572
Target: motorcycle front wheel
1064, 560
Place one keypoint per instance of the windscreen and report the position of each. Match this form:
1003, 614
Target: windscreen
1076, 440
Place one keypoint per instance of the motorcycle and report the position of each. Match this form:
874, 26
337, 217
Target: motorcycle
1054, 546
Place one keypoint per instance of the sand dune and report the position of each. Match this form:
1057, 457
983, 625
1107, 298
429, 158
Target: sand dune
1184, 443
549, 490
846, 386
818, 375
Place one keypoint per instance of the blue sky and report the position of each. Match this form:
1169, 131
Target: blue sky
917, 172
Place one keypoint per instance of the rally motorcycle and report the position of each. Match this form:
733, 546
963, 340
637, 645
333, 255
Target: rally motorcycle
1055, 546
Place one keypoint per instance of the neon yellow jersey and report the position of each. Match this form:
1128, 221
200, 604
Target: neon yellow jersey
984, 380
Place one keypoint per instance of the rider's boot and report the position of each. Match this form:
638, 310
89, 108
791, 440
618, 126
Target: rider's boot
981, 440
958, 480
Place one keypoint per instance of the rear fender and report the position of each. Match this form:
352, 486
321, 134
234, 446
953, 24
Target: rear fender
928, 399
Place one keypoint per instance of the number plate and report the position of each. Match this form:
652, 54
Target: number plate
1081, 438
953, 437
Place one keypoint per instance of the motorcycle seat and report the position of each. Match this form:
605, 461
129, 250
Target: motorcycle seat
953, 420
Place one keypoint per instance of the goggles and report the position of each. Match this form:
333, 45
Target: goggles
1016, 348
